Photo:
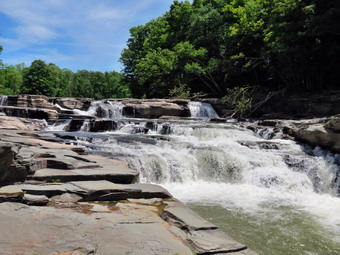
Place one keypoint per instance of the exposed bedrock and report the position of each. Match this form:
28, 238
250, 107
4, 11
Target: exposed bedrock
56, 199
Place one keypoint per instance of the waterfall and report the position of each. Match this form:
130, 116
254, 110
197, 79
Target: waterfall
276, 181
202, 110
104, 109
3, 100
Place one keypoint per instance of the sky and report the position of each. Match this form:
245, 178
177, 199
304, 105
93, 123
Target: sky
73, 34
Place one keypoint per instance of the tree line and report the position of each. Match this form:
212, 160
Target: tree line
41, 78
210, 46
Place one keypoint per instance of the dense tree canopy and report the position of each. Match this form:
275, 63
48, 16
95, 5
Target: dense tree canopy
212, 45
48, 79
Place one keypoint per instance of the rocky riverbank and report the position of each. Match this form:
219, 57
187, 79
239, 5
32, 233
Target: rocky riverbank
56, 199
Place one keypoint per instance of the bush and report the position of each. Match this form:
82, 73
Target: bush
181, 91
239, 99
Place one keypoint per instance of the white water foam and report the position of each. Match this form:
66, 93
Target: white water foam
231, 167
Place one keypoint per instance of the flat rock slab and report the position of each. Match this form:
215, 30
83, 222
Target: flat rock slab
186, 219
115, 175
150, 190
213, 241
93, 186
108, 191
51, 189
10, 193
48, 230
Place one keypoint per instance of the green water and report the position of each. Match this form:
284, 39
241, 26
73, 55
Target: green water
279, 231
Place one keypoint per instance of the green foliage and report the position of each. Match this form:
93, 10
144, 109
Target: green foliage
37, 79
212, 45
239, 99
181, 91
48, 79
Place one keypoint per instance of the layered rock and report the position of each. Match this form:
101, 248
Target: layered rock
72, 103
155, 108
322, 132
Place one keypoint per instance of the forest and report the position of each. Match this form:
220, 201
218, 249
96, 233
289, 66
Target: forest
207, 48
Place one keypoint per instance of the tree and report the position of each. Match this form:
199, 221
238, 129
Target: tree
38, 79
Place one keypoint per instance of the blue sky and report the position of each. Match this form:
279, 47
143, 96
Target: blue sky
74, 34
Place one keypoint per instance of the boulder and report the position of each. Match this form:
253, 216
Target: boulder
10, 169
316, 135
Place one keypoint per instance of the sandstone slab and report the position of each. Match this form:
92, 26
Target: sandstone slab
184, 218
47, 230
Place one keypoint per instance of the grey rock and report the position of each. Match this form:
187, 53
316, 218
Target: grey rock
35, 199
213, 242
11, 193
10, 168
184, 218
48, 230
316, 135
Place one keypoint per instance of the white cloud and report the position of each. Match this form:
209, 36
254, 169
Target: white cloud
87, 30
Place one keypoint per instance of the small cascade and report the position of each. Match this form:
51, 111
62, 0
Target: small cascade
202, 110
115, 110
3, 100
104, 109
59, 125
86, 126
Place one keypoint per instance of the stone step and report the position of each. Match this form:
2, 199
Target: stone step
95, 190
117, 175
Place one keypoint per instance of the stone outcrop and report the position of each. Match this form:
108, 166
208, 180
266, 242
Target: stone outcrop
30, 101
72, 103
30, 106
31, 113
155, 108
10, 168
318, 132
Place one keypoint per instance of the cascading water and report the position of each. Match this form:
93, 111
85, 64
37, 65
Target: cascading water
104, 109
274, 195
202, 110
3, 100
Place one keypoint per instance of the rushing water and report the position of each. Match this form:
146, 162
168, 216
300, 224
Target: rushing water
3, 100
202, 110
275, 196
104, 109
